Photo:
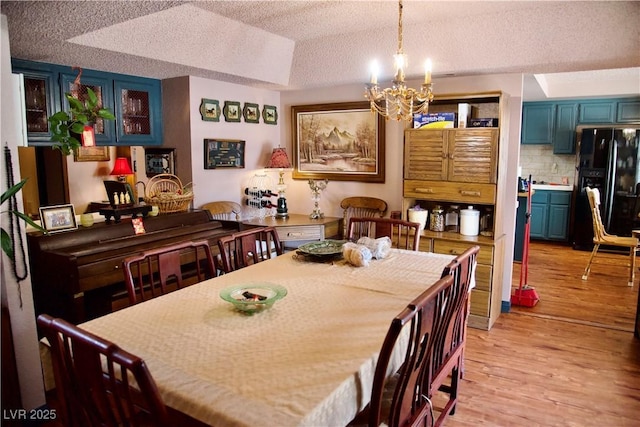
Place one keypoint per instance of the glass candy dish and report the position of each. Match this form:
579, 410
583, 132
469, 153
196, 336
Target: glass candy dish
253, 298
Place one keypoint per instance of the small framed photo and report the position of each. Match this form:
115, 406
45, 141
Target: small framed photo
231, 111
223, 153
58, 218
270, 114
251, 113
210, 110
91, 154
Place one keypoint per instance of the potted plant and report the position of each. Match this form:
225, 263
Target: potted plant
67, 126
7, 243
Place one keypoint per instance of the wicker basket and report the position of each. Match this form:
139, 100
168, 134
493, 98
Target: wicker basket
167, 193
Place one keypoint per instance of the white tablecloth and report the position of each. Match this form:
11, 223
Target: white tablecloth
307, 361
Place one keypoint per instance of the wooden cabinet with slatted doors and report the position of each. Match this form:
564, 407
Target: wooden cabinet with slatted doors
461, 166
458, 155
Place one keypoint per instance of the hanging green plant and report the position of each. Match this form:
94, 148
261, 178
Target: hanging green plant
7, 242
67, 126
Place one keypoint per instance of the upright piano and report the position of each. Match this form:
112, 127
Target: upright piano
77, 275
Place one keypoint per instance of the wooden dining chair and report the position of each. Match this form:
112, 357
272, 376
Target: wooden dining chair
224, 210
601, 237
157, 271
403, 399
403, 234
447, 365
92, 394
361, 207
247, 247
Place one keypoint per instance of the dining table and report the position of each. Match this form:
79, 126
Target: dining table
308, 360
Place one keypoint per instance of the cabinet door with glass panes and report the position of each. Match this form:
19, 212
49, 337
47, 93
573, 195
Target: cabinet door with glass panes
138, 115
41, 100
102, 87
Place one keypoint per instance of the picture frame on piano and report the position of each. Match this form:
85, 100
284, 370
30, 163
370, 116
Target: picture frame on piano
58, 218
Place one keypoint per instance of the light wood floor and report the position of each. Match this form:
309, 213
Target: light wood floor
571, 360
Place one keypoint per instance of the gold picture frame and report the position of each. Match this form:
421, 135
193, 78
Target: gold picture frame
91, 154
339, 142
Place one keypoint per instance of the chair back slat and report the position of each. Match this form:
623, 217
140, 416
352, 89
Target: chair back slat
403, 234
157, 271
248, 247
93, 380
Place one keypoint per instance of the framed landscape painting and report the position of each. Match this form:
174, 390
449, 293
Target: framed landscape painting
338, 142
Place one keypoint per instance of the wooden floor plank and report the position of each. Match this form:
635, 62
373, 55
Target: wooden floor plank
571, 360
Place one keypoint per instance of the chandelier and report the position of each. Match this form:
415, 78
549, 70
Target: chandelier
399, 101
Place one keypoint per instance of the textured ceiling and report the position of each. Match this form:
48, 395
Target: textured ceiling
302, 44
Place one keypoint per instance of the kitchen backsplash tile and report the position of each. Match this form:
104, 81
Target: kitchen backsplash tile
540, 162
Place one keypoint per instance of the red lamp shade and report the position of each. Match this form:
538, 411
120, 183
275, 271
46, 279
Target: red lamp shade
121, 167
279, 159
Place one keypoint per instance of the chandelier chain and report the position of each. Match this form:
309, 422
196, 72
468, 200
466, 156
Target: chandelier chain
400, 27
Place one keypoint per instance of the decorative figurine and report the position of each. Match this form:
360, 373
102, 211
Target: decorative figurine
316, 190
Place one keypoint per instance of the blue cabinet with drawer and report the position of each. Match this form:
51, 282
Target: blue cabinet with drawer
550, 214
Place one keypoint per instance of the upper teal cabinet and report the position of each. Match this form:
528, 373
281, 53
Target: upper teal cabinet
628, 111
41, 99
135, 101
101, 86
139, 121
550, 123
620, 110
602, 111
564, 131
537, 122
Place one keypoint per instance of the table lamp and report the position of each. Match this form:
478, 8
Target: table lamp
279, 160
121, 168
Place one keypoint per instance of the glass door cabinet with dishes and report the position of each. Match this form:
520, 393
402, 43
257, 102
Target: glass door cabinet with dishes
135, 101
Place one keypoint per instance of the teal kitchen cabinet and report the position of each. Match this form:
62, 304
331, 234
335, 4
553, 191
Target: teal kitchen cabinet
135, 101
564, 131
550, 214
537, 122
601, 111
628, 111
102, 87
138, 112
41, 99
539, 216
550, 123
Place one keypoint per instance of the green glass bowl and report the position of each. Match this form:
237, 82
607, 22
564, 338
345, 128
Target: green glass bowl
322, 248
253, 298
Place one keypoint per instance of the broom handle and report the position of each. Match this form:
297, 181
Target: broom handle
527, 232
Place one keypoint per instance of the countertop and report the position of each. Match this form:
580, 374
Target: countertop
555, 187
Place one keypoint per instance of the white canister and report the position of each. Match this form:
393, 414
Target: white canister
419, 216
469, 221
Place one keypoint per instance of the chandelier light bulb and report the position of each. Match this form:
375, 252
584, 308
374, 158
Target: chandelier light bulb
374, 72
427, 71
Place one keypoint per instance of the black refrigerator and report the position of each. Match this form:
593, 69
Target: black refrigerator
608, 161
